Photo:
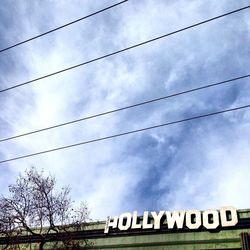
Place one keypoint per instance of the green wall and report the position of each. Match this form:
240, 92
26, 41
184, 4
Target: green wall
182, 239
224, 239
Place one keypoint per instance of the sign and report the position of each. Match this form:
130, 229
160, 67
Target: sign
192, 219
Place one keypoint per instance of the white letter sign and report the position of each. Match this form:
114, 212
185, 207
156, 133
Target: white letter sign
191, 219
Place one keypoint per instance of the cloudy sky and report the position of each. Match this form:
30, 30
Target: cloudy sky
199, 164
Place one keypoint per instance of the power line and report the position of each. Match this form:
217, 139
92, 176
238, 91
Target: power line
122, 50
126, 107
127, 133
63, 26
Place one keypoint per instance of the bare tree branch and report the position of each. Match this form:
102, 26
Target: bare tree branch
36, 207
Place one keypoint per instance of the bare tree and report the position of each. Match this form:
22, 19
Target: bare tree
36, 207
7, 228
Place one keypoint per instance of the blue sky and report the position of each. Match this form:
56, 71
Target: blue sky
201, 164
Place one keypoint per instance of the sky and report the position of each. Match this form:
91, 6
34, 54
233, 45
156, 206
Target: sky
199, 164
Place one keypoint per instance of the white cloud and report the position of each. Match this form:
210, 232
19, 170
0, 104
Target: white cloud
194, 157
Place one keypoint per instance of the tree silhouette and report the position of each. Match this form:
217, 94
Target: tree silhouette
37, 208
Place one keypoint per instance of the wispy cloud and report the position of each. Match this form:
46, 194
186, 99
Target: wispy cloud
199, 164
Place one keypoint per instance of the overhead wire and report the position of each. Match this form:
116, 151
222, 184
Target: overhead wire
232, 80
123, 50
126, 133
62, 26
